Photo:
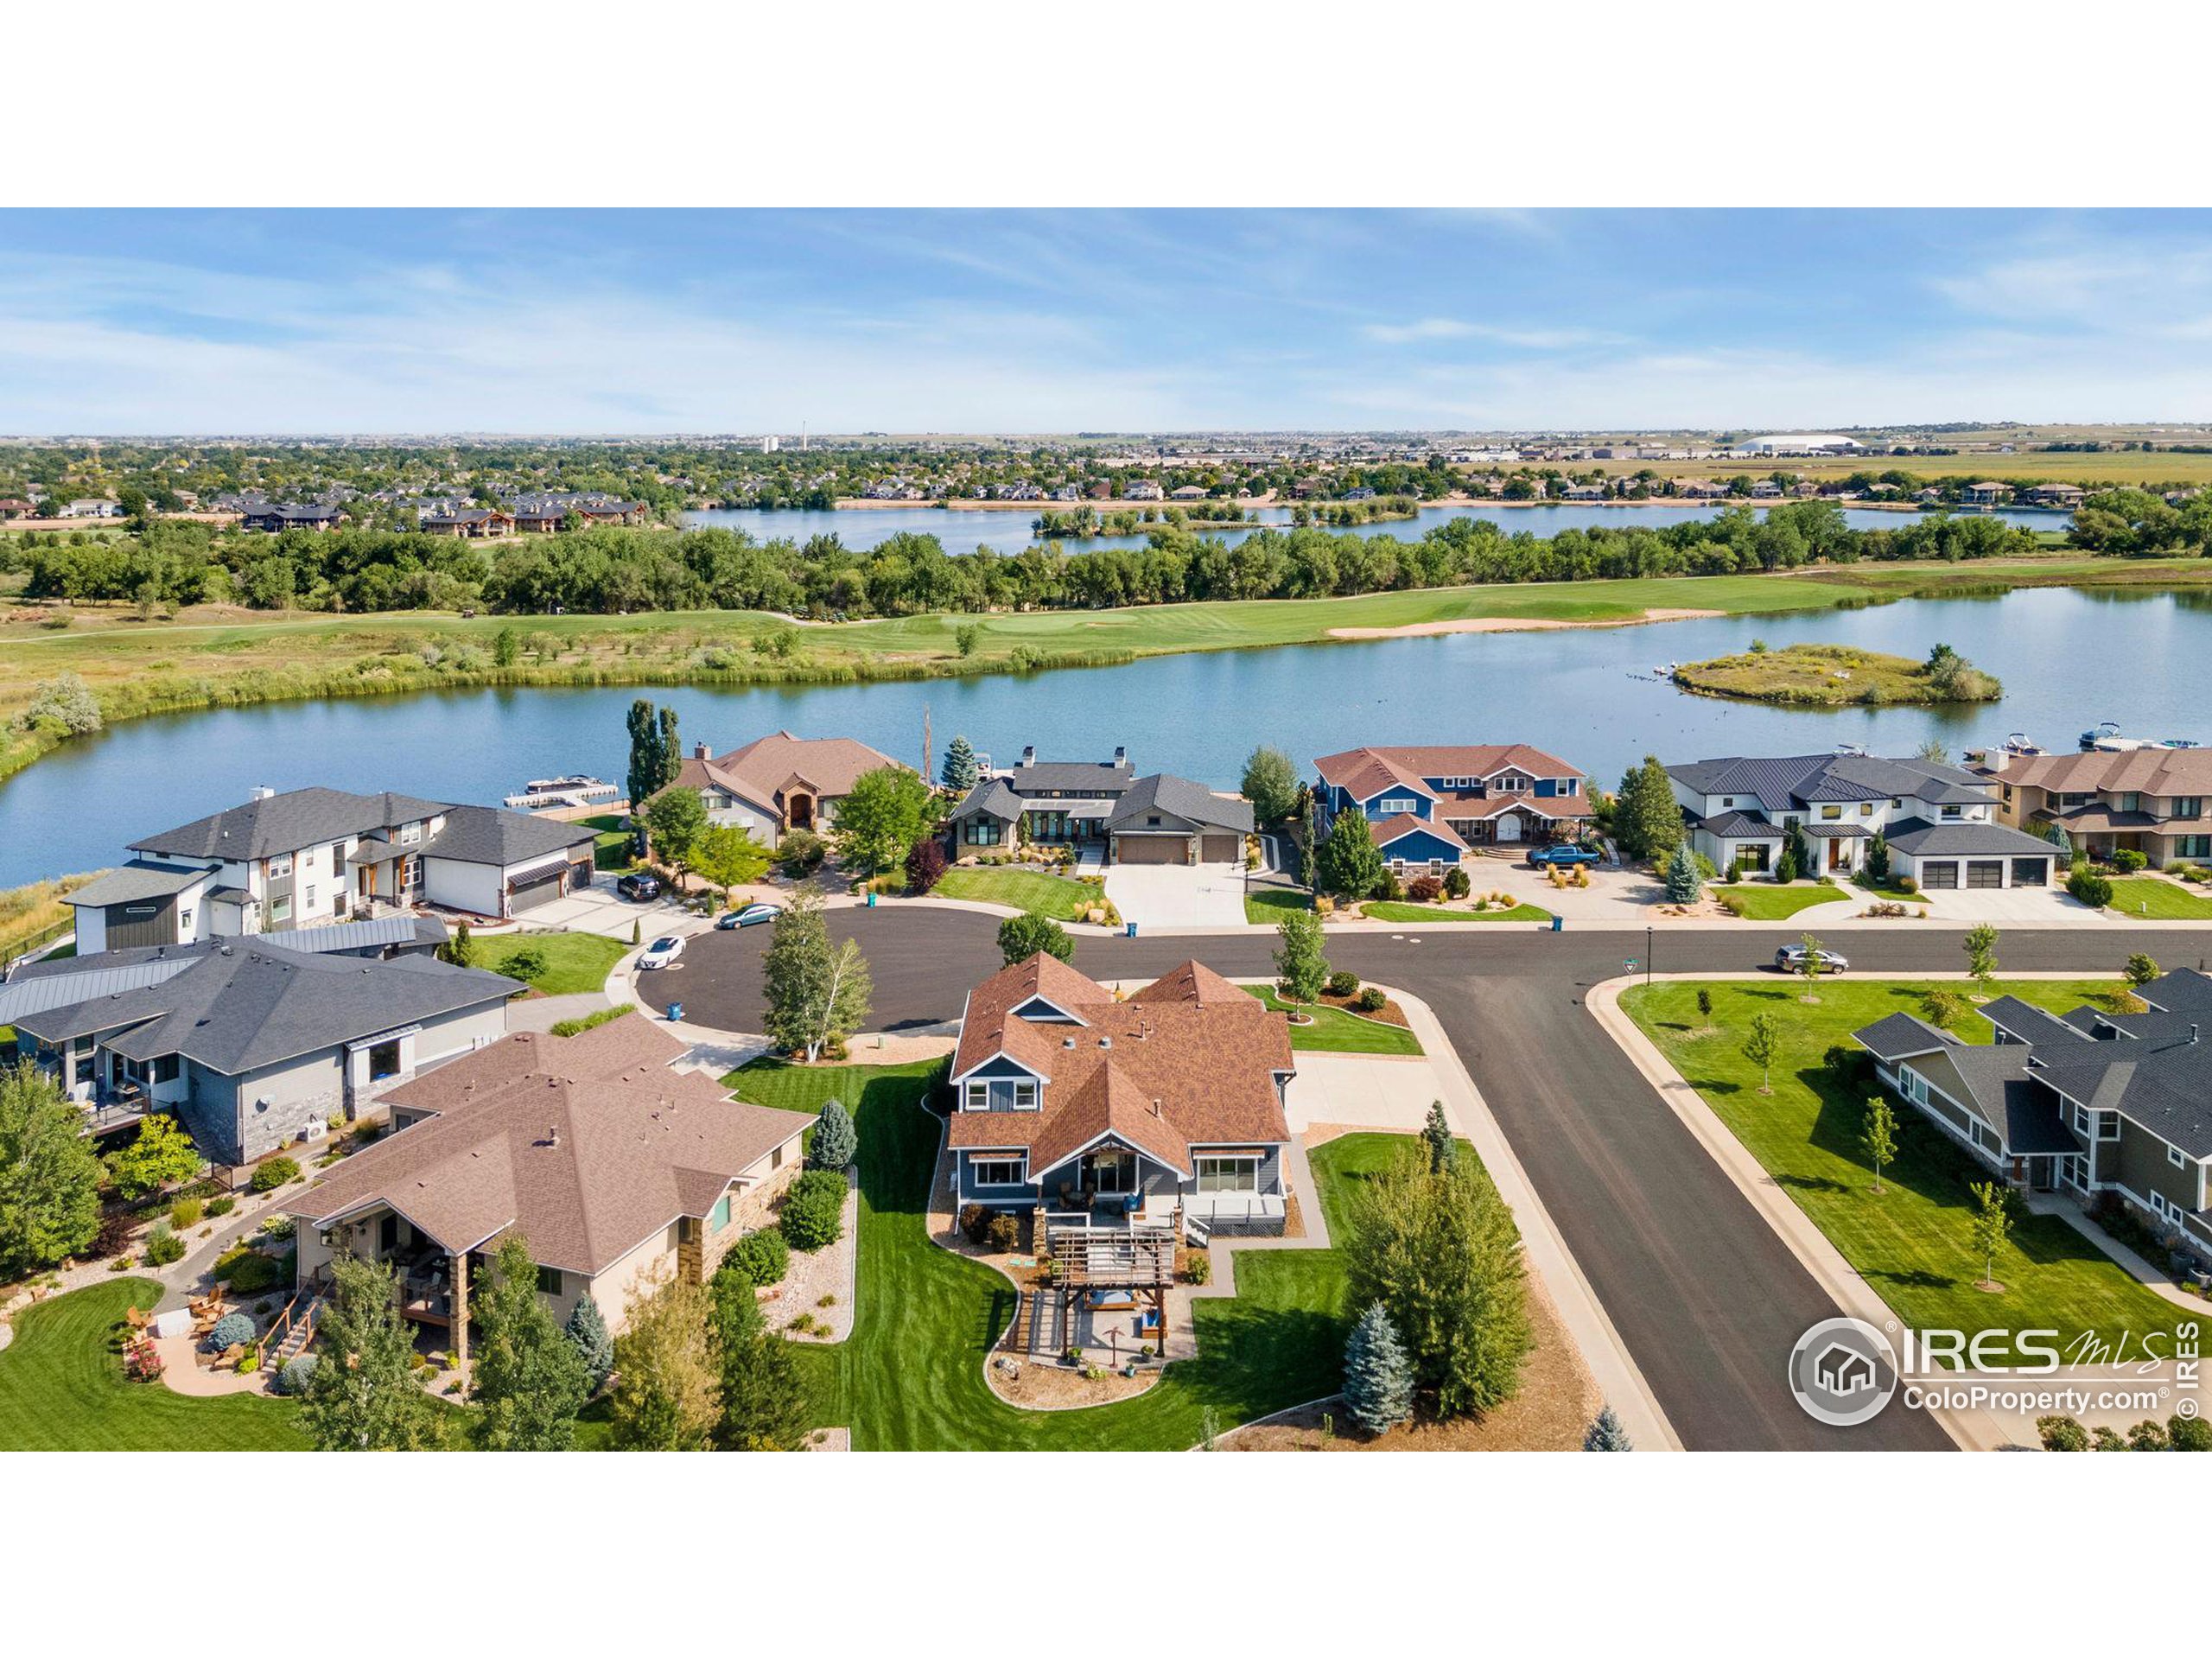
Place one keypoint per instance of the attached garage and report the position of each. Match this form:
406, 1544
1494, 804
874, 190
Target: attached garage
1984, 872
539, 887
1152, 849
1214, 849
1944, 874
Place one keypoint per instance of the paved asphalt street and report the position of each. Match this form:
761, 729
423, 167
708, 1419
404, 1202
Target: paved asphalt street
1705, 1295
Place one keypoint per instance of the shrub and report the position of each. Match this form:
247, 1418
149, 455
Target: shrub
252, 1273
1906, 884
837, 1142
2089, 887
801, 851
1387, 887
222, 1206
924, 865
293, 1379
277, 1172
526, 963
185, 1213
975, 1223
1852, 1067
232, 1328
1343, 982
2188, 1433
277, 1227
1370, 1000
814, 1211
763, 1258
163, 1246
1003, 1233
1199, 1268
2127, 861
2062, 1435
1456, 884
1424, 889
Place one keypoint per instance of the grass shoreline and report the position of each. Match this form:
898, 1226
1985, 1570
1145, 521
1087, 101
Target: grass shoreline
234, 660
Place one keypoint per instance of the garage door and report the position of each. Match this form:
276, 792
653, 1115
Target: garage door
1939, 875
1152, 849
1985, 872
530, 891
2030, 872
1221, 849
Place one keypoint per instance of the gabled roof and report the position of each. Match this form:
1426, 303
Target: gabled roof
286, 822
1897, 1035
1918, 838
2149, 772
992, 799
1103, 779
1399, 825
486, 835
829, 764
1179, 797
137, 881
2184, 991
1188, 1060
1364, 771
241, 1006
1781, 783
588, 1146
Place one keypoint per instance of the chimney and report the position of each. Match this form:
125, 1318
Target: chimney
1029, 755
1156, 1112
700, 751
1120, 755
553, 1137
262, 791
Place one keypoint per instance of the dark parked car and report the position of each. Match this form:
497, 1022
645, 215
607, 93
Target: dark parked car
639, 886
1562, 852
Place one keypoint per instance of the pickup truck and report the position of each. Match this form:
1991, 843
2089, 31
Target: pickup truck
1562, 852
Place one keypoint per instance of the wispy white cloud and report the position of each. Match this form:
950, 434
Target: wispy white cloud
1530, 339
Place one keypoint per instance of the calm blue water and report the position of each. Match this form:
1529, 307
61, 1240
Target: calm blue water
2068, 659
964, 531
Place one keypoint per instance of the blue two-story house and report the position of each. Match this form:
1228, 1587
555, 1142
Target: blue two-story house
1432, 806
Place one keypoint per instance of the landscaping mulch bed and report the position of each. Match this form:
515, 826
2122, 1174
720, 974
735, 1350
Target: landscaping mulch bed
1390, 1015
1055, 1387
1558, 1400
830, 1271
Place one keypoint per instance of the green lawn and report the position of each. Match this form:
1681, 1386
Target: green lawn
612, 843
1267, 905
1911, 1241
573, 962
1336, 1032
63, 1388
2159, 899
1048, 895
1391, 911
910, 1377
1763, 901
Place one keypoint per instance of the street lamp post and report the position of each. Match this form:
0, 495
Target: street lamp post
1647, 953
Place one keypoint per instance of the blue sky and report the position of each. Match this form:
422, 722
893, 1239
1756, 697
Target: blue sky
907, 321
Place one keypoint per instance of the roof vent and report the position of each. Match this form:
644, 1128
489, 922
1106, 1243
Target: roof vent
553, 1137
1105, 1042
262, 791
1156, 1112
2192, 1033
1065, 1042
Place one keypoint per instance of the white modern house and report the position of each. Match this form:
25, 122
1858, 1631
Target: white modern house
1938, 822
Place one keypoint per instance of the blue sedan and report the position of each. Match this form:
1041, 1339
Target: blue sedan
748, 916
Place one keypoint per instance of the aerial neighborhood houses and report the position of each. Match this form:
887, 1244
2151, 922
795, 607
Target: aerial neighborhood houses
777, 784
1433, 806
313, 856
1939, 822
542, 513
1154, 819
1162, 1114
619, 1171
2150, 801
2089, 1104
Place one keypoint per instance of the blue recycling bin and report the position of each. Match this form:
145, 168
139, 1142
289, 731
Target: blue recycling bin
871, 898
1128, 930
1559, 924
675, 1010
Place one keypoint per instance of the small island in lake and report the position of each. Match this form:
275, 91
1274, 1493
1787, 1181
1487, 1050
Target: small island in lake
1837, 677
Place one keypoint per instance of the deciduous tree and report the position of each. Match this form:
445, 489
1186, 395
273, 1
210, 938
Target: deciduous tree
1980, 946
728, 856
1763, 1045
528, 1381
49, 1177
882, 817
1270, 783
1992, 1221
363, 1397
159, 1155
818, 994
1877, 1135
668, 1368
1300, 960
1022, 937
675, 820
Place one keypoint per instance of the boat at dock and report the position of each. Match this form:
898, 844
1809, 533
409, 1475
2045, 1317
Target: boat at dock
576, 790
2105, 738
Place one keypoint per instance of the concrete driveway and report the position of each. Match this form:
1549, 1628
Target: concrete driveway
1612, 895
1178, 895
2048, 905
600, 909
1375, 1092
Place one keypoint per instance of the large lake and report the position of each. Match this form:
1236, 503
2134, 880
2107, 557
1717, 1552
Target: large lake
2068, 659
964, 530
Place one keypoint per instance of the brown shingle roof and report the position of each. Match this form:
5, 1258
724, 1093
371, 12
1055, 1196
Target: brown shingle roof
829, 764
587, 1145
2149, 772
1364, 771
1189, 1060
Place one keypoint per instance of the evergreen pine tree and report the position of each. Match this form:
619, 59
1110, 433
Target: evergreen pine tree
1378, 1376
835, 1142
1443, 1149
1606, 1435
587, 1330
961, 770
1684, 880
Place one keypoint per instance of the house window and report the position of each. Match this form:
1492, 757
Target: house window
165, 1068
718, 1217
384, 1060
2081, 1121
981, 832
2174, 1157
1831, 813
337, 856
184, 919
280, 909
995, 1171
280, 865
2193, 846
978, 1097
410, 834
1951, 814
1228, 1175
2130, 802
311, 897
1865, 809
1396, 804
2108, 1126
2188, 806
1025, 1095
776, 1159
549, 1282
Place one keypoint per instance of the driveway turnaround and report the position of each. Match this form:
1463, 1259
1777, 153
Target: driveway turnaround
1178, 895
1707, 1299
1374, 1091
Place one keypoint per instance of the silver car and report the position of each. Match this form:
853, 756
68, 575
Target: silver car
1790, 959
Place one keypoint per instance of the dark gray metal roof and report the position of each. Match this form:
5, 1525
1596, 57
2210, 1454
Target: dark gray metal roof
1740, 826
1082, 777
337, 938
244, 1005
1784, 782
990, 798
1164, 792
137, 881
23, 996
1918, 838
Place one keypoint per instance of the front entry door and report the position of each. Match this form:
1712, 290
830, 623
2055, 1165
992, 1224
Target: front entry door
1509, 826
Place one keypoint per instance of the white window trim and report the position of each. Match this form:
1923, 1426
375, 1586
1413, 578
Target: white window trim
2174, 1157
280, 865
978, 1162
